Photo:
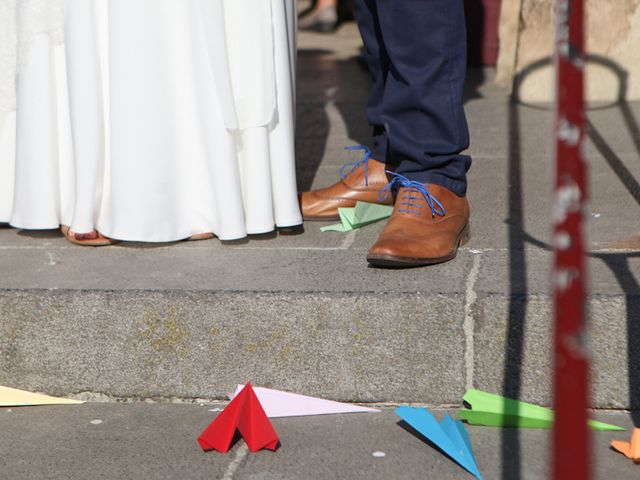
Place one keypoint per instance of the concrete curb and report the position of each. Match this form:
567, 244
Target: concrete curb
362, 347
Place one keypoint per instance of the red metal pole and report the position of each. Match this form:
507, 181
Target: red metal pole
571, 440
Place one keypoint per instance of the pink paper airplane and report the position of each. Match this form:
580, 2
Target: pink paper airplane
279, 404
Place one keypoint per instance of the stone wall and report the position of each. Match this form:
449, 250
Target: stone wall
613, 41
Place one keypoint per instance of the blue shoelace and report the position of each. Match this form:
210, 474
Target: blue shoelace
358, 164
413, 192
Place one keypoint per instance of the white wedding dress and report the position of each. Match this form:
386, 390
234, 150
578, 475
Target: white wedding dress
150, 120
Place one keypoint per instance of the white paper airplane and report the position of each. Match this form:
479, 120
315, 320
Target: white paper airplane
12, 397
278, 404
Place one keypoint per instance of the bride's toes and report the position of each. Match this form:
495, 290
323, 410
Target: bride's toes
201, 236
87, 236
91, 239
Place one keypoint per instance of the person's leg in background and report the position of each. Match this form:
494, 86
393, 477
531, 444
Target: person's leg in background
322, 17
423, 117
367, 177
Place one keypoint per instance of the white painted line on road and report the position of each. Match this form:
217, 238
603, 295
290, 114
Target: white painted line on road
469, 325
241, 454
52, 260
348, 241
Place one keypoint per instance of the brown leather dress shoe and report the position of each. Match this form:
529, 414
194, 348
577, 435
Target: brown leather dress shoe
428, 224
362, 183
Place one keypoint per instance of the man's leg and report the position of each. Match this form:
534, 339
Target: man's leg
423, 117
366, 13
365, 179
422, 110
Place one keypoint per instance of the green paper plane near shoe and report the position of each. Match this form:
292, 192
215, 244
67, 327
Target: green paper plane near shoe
362, 214
495, 411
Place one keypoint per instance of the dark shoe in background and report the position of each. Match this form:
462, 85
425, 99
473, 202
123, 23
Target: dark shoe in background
345, 11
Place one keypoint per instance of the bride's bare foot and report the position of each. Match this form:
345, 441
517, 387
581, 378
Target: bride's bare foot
91, 239
201, 236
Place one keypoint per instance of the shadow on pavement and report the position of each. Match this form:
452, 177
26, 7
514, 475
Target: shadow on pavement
325, 80
618, 263
514, 347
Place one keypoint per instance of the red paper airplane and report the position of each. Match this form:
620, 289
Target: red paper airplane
245, 414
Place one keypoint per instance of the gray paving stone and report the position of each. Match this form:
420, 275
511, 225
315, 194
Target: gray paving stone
371, 347
159, 441
75, 319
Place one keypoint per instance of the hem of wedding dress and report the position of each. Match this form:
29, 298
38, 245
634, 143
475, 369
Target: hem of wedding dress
19, 226
292, 223
255, 233
136, 239
124, 238
274, 228
164, 239
178, 237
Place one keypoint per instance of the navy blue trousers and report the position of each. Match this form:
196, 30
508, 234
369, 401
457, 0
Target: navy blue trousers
416, 52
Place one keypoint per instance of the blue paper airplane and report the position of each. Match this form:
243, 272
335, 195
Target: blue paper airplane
450, 435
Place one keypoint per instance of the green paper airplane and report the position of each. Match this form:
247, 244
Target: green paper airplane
496, 411
362, 214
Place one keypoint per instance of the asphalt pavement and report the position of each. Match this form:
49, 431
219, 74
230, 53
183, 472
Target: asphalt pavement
111, 441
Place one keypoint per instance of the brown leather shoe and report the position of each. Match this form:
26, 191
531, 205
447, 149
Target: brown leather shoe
428, 224
362, 184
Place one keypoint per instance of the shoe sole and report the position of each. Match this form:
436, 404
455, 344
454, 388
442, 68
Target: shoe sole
393, 261
333, 218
